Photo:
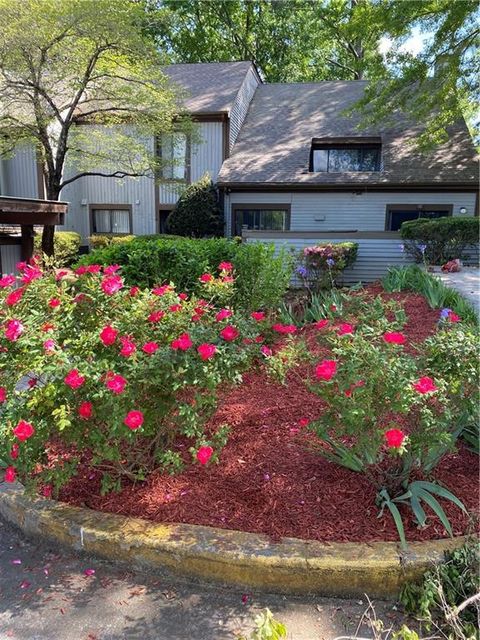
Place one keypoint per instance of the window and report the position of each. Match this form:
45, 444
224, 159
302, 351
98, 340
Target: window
173, 150
398, 213
275, 217
111, 219
339, 158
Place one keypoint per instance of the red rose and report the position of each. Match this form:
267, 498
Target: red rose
111, 269
259, 339
228, 278
394, 337
204, 454
326, 370
345, 328
150, 347
425, 385
452, 317
73, 379
321, 324
23, 431
47, 491
223, 314
49, 345
94, 268
258, 315
7, 281
303, 422
14, 451
85, 410
183, 343
13, 330
111, 284
394, 438
161, 291
60, 275
54, 302
115, 382
266, 351
229, 333
81, 270
3, 394
206, 277
183, 296
10, 474
30, 274
206, 351
133, 420
128, 347
156, 316
175, 307
14, 297
108, 335
284, 329
225, 266
133, 291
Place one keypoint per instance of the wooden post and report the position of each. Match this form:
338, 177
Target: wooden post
27, 241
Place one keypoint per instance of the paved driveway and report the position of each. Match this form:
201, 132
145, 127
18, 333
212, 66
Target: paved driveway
466, 282
44, 595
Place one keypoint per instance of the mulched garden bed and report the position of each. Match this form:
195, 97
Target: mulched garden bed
269, 480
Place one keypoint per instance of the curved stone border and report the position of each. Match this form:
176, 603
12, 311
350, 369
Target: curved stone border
231, 557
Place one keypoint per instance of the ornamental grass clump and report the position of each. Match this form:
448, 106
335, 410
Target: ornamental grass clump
390, 415
124, 376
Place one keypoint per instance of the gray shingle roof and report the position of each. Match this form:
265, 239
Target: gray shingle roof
274, 143
210, 87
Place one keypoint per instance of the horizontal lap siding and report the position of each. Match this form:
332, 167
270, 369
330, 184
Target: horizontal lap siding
329, 211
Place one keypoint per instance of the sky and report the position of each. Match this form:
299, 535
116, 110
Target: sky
413, 44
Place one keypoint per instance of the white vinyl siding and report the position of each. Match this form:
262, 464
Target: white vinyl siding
10, 254
20, 174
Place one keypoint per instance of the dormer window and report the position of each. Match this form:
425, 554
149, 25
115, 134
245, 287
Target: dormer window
331, 156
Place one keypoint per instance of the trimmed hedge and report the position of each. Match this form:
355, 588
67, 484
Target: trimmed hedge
66, 245
197, 213
444, 238
261, 276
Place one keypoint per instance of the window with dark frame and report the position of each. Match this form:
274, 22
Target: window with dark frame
260, 218
111, 220
399, 213
340, 158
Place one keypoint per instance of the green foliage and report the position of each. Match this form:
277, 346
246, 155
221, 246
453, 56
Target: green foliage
66, 243
444, 238
267, 628
261, 276
98, 241
197, 213
405, 82
435, 599
438, 295
320, 265
173, 385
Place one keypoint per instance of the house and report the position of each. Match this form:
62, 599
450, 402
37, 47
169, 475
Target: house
290, 167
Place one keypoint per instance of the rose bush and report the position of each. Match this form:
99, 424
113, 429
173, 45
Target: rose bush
125, 376
390, 415
320, 265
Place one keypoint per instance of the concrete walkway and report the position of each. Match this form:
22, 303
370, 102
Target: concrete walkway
466, 282
44, 595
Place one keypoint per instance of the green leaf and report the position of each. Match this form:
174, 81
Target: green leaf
420, 515
435, 506
396, 516
441, 491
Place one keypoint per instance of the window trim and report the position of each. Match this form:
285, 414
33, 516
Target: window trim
413, 207
112, 206
247, 205
188, 161
318, 145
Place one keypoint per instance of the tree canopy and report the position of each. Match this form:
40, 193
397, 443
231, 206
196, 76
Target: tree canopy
63, 64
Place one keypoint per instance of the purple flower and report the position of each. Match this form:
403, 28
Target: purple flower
330, 262
422, 247
444, 313
301, 271
401, 247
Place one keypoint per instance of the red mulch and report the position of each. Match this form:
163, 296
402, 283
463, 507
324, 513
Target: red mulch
269, 482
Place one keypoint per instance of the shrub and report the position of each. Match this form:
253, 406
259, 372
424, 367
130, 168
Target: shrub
443, 239
197, 213
66, 245
412, 278
320, 265
388, 415
115, 374
443, 589
98, 241
261, 276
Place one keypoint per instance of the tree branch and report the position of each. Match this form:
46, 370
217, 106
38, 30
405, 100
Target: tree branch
115, 174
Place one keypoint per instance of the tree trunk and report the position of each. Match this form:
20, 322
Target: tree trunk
53, 193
